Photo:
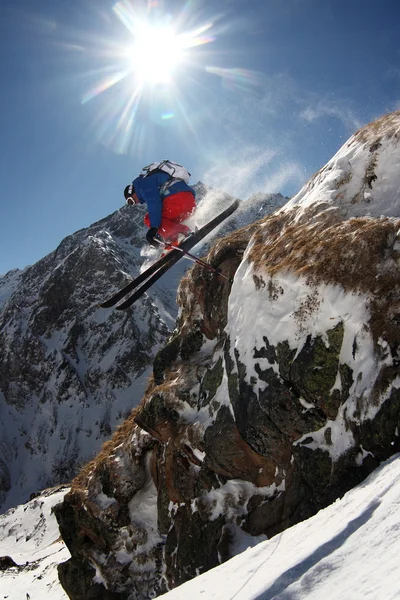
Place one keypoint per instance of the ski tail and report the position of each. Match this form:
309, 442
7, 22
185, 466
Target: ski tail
138, 280
146, 285
176, 255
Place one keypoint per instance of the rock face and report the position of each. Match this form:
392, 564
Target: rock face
69, 370
274, 395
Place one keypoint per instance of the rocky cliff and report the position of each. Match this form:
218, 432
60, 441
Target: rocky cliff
275, 394
69, 370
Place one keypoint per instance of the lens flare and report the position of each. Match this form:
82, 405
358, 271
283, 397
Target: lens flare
239, 79
102, 86
156, 53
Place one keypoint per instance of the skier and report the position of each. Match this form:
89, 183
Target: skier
147, 278
169, 202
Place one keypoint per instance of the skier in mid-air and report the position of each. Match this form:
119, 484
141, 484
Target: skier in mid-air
169, 199
140, 284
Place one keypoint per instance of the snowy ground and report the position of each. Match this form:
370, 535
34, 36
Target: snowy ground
29, 535
349, 551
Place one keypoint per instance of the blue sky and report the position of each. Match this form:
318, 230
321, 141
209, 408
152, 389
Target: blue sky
262, 94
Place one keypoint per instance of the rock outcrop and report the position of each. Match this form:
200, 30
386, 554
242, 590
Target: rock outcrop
275, 394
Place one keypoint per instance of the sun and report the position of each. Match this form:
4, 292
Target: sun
143, 74
156, 54
160, 43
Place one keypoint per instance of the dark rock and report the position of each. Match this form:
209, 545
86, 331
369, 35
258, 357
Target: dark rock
210, 383
156, 418
192, 546
228, 454
229, 436
314, 371
6, 562
164, 359
191, 343
381, 436
76, 577
80, 528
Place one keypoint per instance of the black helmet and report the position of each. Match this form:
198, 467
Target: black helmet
129, 191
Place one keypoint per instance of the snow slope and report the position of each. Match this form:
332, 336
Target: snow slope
8, 284
361, 179
29, 535
348, 551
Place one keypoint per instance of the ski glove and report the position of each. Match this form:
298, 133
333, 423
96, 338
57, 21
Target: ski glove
152, 237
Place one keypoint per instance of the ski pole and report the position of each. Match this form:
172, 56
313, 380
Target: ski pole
202, 263
197, 260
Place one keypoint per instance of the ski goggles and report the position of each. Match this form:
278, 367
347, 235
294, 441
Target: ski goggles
128, 193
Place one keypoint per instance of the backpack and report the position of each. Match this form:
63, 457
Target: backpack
174, 170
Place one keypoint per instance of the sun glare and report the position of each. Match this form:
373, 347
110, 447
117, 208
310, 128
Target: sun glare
146, 72
150, 74
156, 54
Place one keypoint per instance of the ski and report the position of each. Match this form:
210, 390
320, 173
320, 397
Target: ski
139, 279
146, 285
146, 279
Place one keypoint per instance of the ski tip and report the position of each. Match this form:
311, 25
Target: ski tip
122, 307
104, 305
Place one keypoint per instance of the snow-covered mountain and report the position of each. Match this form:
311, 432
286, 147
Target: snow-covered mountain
69, 370
276, 394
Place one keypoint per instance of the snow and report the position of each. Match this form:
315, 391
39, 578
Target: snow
236, 490
143, 510
8, 284
242, 540
347, 551
29, 535
342, 182
327, 305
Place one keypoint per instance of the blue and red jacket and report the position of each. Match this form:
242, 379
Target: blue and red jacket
152, 191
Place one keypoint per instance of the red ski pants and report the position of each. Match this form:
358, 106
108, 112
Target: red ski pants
176, 208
